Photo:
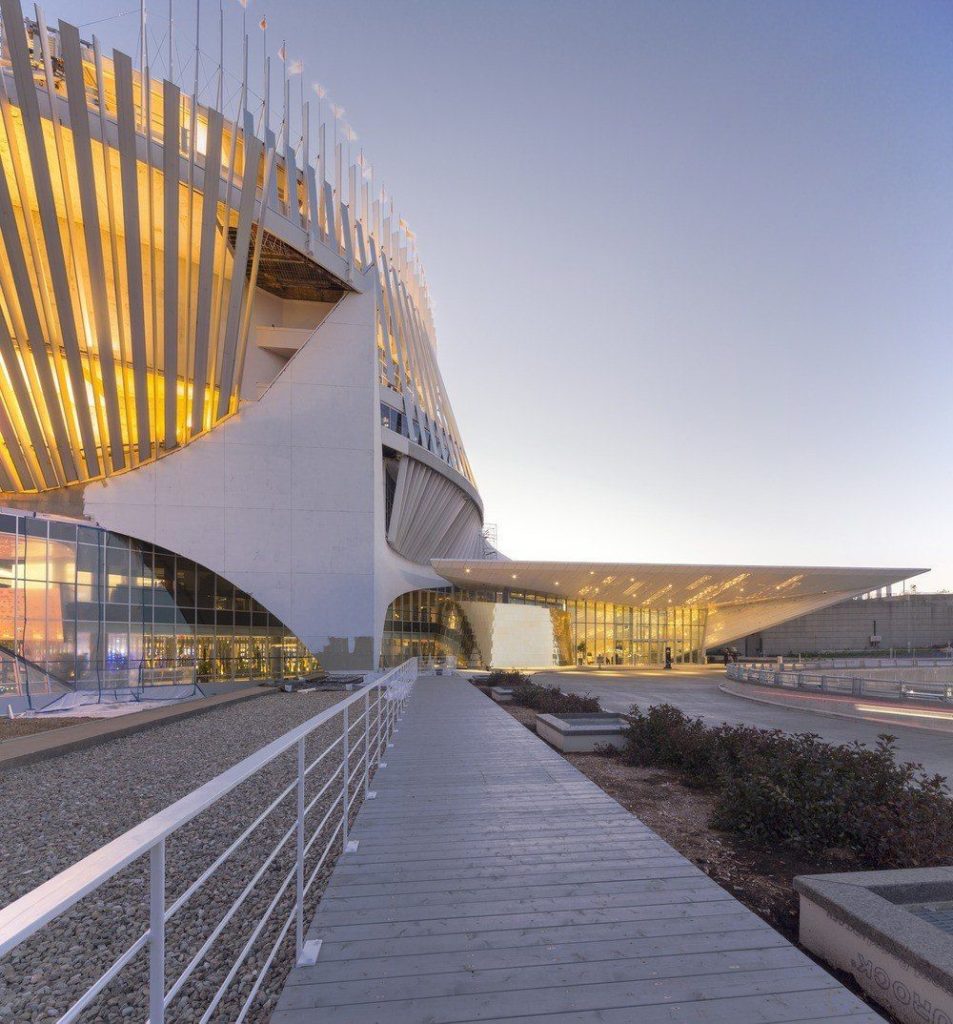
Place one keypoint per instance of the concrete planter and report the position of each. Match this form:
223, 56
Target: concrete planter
582, 733
892, 930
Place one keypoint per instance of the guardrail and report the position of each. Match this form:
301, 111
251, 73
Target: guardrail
842, 685
381, 703
807, 664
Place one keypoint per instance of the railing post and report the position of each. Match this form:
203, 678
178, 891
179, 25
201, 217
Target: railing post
299, 858
380, 724
367, 741
157, 933
346, 756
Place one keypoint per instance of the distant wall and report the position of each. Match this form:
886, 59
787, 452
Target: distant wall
921, 620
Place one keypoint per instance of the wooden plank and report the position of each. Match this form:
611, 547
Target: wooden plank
790, 981
437, 982
493, 882
609, 950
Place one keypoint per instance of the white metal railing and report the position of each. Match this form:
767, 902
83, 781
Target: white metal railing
807, 664
842, 685
380, 705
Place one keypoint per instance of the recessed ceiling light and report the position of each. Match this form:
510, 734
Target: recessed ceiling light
514, 575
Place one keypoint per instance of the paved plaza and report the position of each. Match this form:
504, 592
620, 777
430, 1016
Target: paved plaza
494, 882
695, 691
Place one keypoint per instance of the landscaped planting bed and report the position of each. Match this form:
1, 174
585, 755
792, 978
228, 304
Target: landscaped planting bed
754, 807
545, 699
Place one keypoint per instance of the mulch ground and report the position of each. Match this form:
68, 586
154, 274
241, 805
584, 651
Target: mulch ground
13, 728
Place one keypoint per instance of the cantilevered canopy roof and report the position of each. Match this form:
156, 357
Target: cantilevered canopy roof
654, 585
740, 599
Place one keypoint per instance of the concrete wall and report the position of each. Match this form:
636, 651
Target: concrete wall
280, 499
922, 620
286, 498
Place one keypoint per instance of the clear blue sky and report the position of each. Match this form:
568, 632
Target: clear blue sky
692, 262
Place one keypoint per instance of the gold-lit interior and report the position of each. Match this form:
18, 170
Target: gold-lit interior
45, 465
85, 379
432, 623
80, 606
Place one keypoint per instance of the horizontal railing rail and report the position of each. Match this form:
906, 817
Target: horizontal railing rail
843, 685
808, 664
368, 718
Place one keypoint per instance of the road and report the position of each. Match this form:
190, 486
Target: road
695, 691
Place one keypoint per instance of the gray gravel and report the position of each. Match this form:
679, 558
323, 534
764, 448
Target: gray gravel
57, 811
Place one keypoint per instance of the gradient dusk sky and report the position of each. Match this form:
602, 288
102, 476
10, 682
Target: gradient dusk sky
692, 262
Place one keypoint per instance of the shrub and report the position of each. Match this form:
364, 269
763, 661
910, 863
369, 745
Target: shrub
506, 677
549, 700
666, 737
801, 793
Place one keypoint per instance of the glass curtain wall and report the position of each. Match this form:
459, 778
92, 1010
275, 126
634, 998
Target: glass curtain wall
585, 632
428, 624
612, 634
83, 604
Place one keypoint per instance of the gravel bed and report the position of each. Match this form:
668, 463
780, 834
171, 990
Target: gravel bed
57, 811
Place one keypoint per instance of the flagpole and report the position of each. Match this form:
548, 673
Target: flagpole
220, 95
266, 76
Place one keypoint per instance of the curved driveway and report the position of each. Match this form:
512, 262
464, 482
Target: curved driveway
696, 692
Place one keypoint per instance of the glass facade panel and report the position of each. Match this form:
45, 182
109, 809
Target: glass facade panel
584, 632
84, 611
428, 624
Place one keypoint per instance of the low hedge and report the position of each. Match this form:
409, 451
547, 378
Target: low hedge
801, 793
548, 700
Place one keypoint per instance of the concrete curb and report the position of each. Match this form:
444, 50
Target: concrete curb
860, 922
43, 745
833, 707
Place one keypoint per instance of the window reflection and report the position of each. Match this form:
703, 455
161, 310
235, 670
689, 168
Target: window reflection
80, 602
584, 632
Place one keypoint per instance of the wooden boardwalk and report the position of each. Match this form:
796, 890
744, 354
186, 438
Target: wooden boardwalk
494, 882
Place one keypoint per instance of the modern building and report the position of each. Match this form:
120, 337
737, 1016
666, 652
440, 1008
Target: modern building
227, 443
875, 623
